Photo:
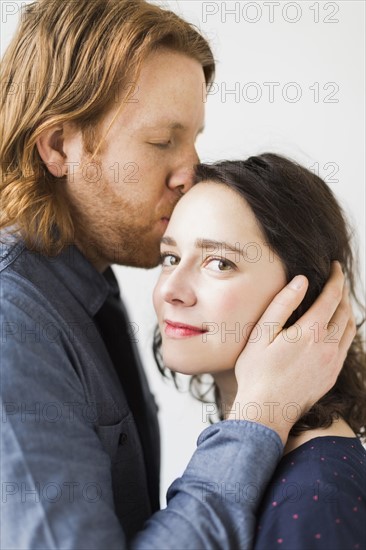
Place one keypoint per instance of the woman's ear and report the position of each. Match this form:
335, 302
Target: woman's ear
50, 145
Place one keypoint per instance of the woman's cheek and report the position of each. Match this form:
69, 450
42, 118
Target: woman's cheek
229, 307
156, 298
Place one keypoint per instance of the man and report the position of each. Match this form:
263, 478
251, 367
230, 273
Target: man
93, 163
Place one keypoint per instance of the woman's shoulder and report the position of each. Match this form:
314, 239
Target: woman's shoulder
324, 469
317, 497
321, 450
339, 427
326, 457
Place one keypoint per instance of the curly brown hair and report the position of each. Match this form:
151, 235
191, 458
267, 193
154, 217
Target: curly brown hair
306, 227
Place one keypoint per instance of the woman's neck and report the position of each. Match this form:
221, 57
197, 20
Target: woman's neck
227, 385
338, 428
226, 382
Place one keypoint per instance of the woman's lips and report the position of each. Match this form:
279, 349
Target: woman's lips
180, 330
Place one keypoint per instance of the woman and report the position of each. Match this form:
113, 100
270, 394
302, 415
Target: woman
233, 242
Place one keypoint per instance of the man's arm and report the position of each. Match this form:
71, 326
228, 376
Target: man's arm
212, 506
58, 494
56, 476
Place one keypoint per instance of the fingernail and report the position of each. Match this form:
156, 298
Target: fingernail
340, 266
297, 282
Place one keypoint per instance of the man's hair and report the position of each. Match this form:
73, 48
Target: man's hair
67, 63
305, 226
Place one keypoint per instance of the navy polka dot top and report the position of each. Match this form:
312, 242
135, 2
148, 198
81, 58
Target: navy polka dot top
316, 498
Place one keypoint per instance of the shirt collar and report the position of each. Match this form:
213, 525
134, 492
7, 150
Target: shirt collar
90, 287
73, 270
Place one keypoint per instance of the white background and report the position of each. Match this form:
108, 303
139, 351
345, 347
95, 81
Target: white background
311, 51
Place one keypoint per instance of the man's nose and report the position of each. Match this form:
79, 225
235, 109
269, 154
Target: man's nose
182, 177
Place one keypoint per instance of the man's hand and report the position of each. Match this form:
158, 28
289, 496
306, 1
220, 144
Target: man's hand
286, 371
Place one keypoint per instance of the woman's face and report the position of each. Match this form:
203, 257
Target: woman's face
217, 278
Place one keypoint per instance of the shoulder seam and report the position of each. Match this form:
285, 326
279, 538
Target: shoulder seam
11, 255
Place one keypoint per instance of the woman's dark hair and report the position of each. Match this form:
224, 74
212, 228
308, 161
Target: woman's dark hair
305, 226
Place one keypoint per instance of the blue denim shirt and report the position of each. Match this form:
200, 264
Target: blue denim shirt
79, 437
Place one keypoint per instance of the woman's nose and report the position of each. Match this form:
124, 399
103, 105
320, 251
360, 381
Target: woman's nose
177, 289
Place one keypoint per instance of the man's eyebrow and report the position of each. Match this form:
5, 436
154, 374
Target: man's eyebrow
179, 126
171, 126
205, 243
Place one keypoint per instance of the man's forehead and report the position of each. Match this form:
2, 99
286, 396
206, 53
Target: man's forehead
165, 123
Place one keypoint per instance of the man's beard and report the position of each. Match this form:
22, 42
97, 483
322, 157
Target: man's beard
129, 246
107, 228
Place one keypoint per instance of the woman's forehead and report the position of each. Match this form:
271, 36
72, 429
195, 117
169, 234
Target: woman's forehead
212, 210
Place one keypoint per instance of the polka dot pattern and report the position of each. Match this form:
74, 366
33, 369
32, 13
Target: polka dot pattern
316, 498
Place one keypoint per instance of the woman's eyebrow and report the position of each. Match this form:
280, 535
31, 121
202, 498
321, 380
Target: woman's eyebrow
216, 246
168, 241
212, 245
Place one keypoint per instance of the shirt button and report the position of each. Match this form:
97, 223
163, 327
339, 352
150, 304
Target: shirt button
122, 439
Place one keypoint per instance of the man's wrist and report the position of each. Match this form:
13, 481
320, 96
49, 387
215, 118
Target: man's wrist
277, 416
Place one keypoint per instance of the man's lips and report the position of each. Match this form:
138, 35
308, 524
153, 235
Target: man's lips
181, 330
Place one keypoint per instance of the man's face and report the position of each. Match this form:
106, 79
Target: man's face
123, 199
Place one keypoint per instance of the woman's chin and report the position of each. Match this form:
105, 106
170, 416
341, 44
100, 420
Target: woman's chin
182, 366
189, 370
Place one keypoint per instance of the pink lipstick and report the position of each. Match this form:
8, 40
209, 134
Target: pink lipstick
181, 330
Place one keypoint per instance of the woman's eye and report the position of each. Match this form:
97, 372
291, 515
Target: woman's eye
169, 260
218, 264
